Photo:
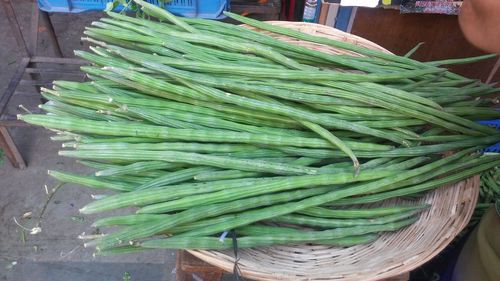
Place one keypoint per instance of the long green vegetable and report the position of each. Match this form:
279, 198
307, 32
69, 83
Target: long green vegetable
202, 127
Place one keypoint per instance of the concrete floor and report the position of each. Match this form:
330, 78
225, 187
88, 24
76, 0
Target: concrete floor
55, 253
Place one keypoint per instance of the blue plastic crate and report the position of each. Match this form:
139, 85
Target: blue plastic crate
494, 124
208, 9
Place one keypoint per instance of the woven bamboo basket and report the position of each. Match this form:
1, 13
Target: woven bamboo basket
392, 254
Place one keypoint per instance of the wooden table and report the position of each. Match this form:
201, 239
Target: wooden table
30, 72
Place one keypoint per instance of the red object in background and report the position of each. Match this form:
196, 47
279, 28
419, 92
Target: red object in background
292, 10
288, 10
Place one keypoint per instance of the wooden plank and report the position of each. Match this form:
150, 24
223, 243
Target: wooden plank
10, 149
51, 32
33, 38
25, 82
11, 88
191, 263
59, 60
187, 265
54, 71
443, 38
14, 26
14, 123
180, 275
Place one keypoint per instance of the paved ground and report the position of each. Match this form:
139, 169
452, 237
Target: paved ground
55, 253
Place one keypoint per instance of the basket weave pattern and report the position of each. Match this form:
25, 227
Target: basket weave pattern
392, 254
